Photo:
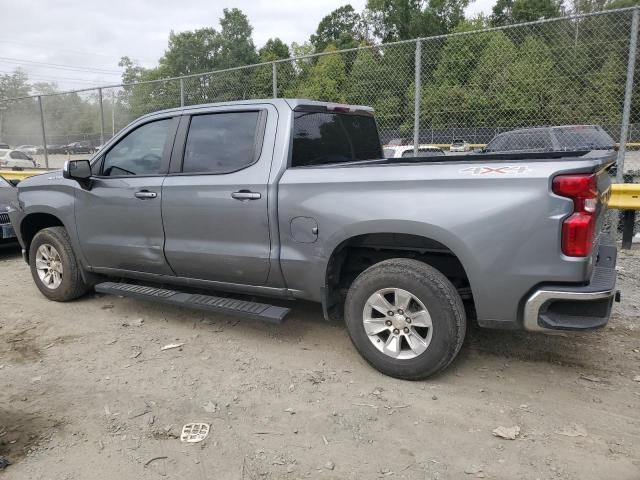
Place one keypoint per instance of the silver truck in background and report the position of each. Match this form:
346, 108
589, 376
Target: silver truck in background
293, 199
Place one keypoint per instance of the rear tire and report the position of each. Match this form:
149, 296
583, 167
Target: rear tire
415, 341
54, 266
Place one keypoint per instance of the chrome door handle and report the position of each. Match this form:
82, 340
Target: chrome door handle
145, 194
246, 195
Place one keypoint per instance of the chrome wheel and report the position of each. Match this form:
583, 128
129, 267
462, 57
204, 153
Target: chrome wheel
397, 323
49, 266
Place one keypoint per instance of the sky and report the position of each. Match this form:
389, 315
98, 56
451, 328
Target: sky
78, 43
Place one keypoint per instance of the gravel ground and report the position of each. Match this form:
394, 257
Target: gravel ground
88, 393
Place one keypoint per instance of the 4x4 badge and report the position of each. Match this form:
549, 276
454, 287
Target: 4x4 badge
504, 170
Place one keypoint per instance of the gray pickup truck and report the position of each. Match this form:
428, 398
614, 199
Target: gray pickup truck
293, 199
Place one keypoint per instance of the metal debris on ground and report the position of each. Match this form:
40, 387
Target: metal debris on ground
194, 432
508, 433
171, 345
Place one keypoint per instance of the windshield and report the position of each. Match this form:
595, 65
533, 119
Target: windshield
326, 137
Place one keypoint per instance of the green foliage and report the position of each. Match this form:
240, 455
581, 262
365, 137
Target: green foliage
274, 49
341, 28
325, 80
405, 19
530, 10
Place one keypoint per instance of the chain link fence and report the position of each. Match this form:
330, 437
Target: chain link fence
469, 85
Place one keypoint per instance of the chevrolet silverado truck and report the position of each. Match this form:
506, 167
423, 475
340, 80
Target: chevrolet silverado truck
293, 199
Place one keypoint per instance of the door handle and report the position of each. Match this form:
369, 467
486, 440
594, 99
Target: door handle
145, 194
246, 195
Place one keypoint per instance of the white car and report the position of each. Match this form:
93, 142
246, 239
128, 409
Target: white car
460, 146
16, 158
399, 151
28, 149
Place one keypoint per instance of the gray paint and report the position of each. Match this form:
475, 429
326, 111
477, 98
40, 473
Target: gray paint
504, 227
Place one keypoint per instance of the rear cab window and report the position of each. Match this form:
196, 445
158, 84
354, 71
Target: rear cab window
327, 137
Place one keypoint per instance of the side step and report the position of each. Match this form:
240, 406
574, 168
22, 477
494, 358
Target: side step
230, 306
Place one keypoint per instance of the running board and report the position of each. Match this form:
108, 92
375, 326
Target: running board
230, 306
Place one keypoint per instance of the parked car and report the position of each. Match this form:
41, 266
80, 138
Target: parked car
458, 145
16, 159
552, 139
7, 195
407, 151
292, 199
80, 147
395, 142
30, 150
56, 149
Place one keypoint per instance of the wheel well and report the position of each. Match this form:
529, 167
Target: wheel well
35, 222
356, 254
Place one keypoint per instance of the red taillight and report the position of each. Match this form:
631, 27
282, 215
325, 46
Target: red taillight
578, 229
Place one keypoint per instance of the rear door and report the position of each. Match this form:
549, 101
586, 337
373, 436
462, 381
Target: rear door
119, 219
215, 198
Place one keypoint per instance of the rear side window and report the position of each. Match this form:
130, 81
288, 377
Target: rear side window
221, 142
583, 138
531, 140
320, 138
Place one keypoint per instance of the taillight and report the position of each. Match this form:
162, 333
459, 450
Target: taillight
578, 229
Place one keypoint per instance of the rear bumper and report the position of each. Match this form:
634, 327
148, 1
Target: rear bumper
586, 307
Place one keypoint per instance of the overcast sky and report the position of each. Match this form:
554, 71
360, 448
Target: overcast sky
82, 40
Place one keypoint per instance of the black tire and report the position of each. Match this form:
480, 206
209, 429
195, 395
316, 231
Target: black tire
72, 285
436, 293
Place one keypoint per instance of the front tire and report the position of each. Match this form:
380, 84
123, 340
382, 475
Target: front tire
54, 266
405, 318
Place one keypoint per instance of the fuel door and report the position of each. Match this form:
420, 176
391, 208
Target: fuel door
304, 229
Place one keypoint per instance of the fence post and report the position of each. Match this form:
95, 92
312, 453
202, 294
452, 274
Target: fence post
274, 76
416, 102
44, 135
182, 92
101, 117
628, 93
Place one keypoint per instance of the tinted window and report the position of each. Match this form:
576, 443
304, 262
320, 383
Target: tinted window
221, 142
519, 141
320, 138
17, 155
140, 152
582, 137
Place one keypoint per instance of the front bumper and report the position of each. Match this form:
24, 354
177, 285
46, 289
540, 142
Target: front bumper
584, 307
7, 231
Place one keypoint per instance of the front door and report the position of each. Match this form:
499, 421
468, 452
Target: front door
119, 217
215, 203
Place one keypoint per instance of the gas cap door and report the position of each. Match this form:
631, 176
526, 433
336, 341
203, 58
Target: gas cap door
304, 229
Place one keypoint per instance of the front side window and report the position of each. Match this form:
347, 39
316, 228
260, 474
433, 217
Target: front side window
321, 138
221, 142
18, 155
140, 152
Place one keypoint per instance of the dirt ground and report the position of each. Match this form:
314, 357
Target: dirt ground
87, 393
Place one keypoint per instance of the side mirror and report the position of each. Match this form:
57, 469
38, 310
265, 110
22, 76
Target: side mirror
79, 170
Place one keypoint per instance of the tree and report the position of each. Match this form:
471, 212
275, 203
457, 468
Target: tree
531, 10
342, 28
326, 79
502, 13
406, 19
190, 52
274, 49
236, 44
